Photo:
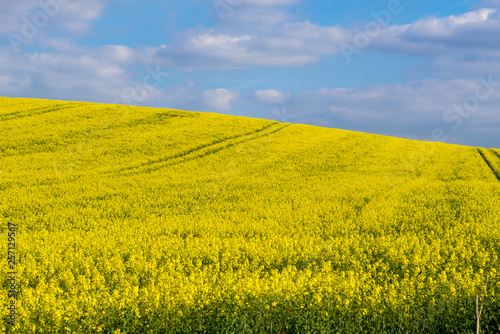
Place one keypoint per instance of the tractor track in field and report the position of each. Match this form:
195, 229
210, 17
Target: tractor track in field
38, 111
189, 151
484, 155
497, 153
208, 149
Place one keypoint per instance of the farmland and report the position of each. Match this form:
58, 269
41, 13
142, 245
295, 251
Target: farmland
143, 220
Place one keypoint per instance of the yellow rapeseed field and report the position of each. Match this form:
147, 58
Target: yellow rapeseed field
143, 220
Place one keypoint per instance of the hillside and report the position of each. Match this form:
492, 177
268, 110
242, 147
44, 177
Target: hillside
168, 221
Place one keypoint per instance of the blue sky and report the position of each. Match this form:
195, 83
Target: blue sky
426, 70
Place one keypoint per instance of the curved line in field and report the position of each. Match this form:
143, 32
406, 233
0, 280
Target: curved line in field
191, 150
484, 155
44, 110
29, 110
497, 153
212, 150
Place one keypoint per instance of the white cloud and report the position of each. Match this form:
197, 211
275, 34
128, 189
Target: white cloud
241, 43
12, 84
220, 99
77, 16
74, 15
288, 45
216, 41
81, 74
272, 96
471, 33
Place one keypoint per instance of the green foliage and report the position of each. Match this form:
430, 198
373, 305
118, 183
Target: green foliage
142, 220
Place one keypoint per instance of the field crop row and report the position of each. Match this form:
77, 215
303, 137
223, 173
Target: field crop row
491, 160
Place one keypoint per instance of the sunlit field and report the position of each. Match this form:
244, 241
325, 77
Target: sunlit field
143, 220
